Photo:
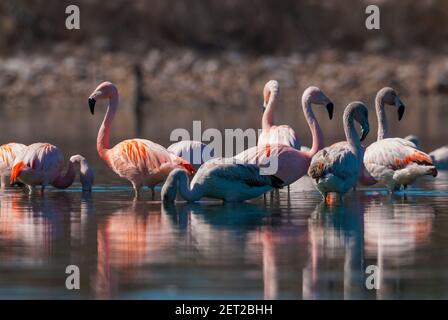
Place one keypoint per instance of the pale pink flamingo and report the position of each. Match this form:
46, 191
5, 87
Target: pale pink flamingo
394, 161
42, 164
292, 164
140, 161
220, 179
336, 168
8, 153
272, 134
194, 152
385, 96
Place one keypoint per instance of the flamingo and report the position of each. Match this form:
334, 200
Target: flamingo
394, 161
439, 156
42, 164
385, 96
142, 162
8, 153
292, 163
337, 167
272, 134
220, 179
194, 152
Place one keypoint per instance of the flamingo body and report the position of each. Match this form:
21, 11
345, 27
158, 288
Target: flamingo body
231, 182
194, 152
396, 161
8, 153
335, 168
282, 134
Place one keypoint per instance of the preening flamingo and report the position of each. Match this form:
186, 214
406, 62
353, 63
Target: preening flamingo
86, 174
394, 161
220, 179
194, 152
140, 161
8, 153
42, 164
385, 96
272, 134
292, 163
439, 156
337, 167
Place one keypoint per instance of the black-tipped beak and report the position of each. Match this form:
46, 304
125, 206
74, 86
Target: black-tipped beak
330, 109
263, 107
400, 111
92, 105
364, 132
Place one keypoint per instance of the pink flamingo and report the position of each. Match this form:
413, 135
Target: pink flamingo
394, 161
140, 161
42, 164
336, 168
272, 134
293, 164
8, 153
86, 174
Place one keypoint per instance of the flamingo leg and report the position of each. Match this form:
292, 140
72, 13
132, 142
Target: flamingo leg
153, 193
136, 187
30, 189
4, 181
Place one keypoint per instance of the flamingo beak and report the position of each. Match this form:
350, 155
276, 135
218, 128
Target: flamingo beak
400, 111
92, 102
364, 132
330, 109
400, 107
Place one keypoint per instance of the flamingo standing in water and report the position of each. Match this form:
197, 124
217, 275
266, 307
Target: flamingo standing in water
292, 164
393, 161
140, 161
385, 96
272, 134
337, 167
220, 179
8, 153
42, 164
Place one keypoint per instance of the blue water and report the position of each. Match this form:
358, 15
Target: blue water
287, 246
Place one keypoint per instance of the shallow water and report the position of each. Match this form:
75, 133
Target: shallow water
279, 248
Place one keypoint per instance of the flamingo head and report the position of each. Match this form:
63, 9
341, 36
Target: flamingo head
270, 88
361, 115
86, 173
314, 95
106, 90
390, 97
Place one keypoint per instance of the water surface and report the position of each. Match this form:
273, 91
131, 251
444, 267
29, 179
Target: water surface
285, 247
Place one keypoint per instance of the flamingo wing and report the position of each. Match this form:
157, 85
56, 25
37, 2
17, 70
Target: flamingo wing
8, 153
337, 159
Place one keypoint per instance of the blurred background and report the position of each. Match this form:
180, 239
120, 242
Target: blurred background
179, 61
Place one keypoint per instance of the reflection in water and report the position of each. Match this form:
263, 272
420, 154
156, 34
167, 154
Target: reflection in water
284, 247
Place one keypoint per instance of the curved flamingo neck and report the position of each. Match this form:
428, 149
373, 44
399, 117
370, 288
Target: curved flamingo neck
383, 127
63, 182
268, 115
316, 131
102, 141
189, 194
351, 134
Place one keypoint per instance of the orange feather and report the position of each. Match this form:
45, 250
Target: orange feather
16, 171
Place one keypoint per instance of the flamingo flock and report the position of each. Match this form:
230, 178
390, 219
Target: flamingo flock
392, 162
